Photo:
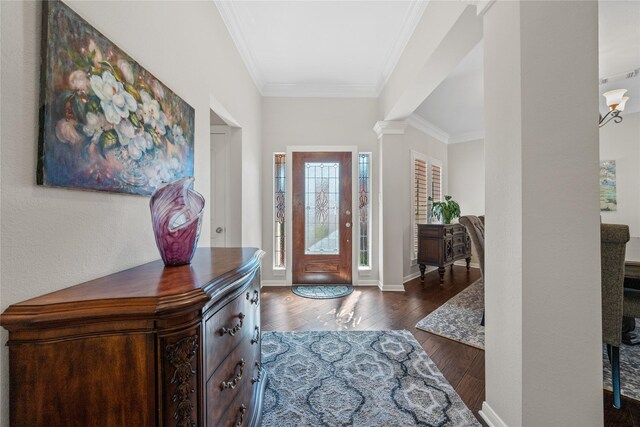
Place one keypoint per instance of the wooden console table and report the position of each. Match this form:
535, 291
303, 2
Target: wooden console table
149, 346
441, 245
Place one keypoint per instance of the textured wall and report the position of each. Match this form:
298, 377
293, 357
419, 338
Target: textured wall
54, 238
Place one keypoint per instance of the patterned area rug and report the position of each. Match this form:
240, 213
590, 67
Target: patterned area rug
459, 319
629, 369
355, 378
322, 291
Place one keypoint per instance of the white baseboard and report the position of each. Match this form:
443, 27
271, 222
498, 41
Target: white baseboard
412, 276
391, 288
490, 417
368, 282
268, 283
463, 263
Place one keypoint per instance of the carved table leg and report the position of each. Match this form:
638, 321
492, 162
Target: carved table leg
468, 262
423, 268
441, 271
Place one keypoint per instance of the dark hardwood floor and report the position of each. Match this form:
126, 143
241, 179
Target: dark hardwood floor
367, 308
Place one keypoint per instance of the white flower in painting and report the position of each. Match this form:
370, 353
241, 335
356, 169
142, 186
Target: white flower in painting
151, 114
178, 137
94, 126
67, 133
78, 80
126, 69
126, 132
97, 55
157, 89
143, 141
134, 152
114, 100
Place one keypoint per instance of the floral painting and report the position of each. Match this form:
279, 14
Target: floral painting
608, 200
106, 123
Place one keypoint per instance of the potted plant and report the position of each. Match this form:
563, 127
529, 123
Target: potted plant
445, 211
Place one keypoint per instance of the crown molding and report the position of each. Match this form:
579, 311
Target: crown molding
409, 23
427, 127
320, 90
231, 21
389, 128
466, 137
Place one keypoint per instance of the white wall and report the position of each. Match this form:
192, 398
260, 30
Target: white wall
319, 122
543, 325
419, 141
466, 175
621, 142
54, 238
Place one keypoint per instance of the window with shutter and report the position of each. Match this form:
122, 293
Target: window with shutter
427, 181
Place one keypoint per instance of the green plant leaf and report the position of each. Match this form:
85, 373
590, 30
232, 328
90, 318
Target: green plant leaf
108, 140
134, 120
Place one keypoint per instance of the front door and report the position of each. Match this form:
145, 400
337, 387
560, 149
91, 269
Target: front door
321, 218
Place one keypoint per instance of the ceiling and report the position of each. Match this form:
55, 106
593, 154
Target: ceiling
456, 107
321, 48
349, 49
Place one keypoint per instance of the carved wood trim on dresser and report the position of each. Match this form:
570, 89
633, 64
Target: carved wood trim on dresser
441, 245
148, 346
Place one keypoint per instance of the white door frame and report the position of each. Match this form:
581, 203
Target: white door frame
355, 229
220, 130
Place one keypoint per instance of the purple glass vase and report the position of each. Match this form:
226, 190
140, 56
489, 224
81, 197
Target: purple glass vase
176, 214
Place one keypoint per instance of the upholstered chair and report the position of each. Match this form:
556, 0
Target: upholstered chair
613, 241
475, 228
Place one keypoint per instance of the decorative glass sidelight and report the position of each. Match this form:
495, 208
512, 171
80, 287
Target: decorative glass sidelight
322, 208
364, 207
279, 188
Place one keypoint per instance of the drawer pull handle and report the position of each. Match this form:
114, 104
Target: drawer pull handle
232, 383
256, 340
235, 329
256, 297
241, 411
259, 377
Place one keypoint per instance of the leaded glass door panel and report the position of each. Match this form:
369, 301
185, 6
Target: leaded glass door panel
322, 218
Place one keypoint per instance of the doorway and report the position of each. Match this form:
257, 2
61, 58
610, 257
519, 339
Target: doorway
322, 218
220, 158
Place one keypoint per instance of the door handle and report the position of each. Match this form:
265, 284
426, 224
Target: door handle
219, 230
348, 224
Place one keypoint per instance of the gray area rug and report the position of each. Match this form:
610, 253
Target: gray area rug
459, 319
355, 378
629, 369
322, 291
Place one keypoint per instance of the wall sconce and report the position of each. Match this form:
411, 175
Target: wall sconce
616, 102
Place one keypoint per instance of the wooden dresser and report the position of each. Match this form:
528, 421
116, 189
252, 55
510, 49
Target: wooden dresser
441, 245
149, 346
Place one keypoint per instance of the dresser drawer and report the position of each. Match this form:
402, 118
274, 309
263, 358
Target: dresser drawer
459, 239
231, 385
459, 250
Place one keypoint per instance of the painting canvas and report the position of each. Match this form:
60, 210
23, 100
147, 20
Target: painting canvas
608, 200
106, 123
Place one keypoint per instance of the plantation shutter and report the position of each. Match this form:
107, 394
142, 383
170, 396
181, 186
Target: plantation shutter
420, 202
436, 185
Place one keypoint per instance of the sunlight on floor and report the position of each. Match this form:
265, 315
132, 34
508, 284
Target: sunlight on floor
345, 315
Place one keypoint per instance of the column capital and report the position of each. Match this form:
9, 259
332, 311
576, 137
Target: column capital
395, 127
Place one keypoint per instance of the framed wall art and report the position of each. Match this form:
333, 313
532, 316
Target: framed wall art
608, 197
106, 123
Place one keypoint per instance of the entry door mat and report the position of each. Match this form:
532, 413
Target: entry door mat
322, 291
459, 319
355, 378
